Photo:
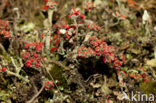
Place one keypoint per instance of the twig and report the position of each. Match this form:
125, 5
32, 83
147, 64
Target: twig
94, 75
35, 96
59, 64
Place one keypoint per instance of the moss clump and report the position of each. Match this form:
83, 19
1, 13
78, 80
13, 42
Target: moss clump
57, 73
148, 87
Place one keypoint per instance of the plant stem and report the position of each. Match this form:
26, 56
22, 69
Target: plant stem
50, 17
35, 96
17, 75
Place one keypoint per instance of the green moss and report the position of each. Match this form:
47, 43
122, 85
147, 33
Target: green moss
148, 87
131, 45
57, 74
3, 53
110, 5
4, 95
39, 19
121, 24
136, 51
